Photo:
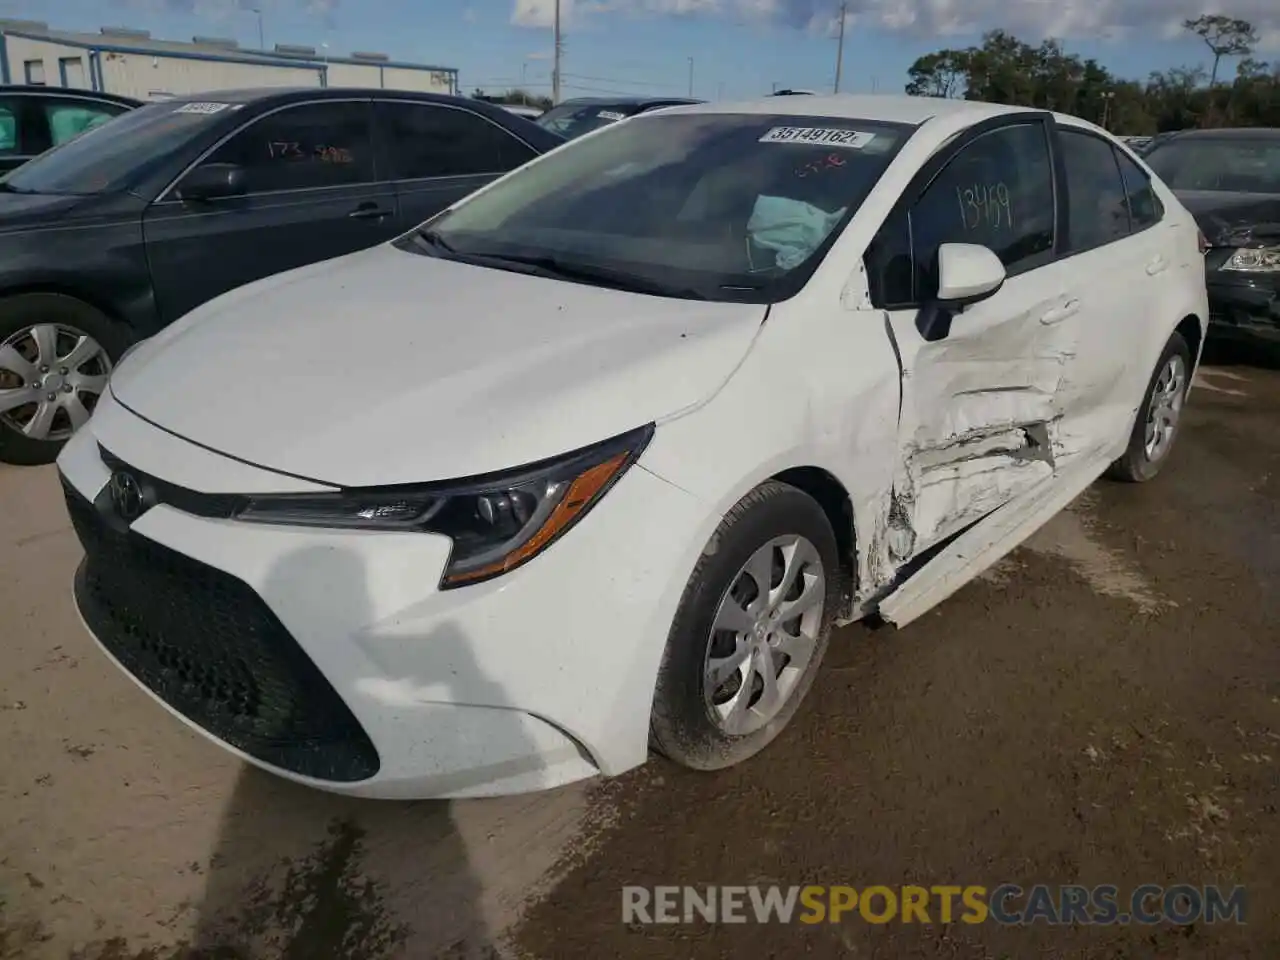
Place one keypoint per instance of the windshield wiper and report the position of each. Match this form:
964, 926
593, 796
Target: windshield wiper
7, 188
590, 273
432, 240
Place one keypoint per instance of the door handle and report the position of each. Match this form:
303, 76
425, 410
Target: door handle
369, 211
1157, 265
1058, 314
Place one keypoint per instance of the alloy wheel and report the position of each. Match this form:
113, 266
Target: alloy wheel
51, 377
1165, 409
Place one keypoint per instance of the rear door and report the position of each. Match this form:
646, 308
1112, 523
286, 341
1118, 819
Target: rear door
437, 154
1125, 269
980, 405
312, 192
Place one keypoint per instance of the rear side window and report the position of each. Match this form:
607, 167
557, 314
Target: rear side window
997, 192
305, 147
8, 128
68, 120
1145, 208
428, 141
1095, 192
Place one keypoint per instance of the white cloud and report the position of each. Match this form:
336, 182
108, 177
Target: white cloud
1028, 19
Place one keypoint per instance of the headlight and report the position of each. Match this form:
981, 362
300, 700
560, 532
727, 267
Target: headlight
1254, 260
496, 522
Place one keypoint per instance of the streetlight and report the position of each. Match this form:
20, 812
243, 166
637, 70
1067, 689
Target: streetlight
691, 77
262, 43
1106, 107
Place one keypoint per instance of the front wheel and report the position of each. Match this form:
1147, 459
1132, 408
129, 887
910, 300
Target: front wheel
1159, 417
56, 354
750, 631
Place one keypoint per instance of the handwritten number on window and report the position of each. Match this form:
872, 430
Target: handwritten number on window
832, 161
985, 205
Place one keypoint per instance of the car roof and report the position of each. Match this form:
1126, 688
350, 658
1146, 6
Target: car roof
889, 108
1227, 133
281, 95
627, 100
73, 93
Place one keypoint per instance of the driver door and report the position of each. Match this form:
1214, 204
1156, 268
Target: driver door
979, 411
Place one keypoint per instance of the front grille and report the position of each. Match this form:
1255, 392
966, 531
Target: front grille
208, 646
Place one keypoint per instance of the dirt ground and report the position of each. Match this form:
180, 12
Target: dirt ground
1102, 707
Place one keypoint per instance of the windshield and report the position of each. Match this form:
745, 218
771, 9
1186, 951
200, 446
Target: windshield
1241, 165
572, 120
115, 155
708, 206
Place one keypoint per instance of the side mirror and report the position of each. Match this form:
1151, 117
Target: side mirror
213, 181
968, 273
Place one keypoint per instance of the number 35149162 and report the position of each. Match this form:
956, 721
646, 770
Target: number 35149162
985, 205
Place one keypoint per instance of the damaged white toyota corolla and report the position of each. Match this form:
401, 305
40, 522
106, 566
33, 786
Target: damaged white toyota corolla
593, 461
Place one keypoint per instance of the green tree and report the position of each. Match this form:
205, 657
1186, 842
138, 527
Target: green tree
1224, 36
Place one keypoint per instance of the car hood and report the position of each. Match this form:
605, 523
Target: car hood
389, 367
19, 210
1234, 219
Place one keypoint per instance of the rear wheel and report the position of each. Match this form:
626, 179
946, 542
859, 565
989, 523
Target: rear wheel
1156, 426
750, 631
56, 354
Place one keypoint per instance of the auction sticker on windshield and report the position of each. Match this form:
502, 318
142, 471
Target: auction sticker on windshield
827, 137
609, 115
204, 108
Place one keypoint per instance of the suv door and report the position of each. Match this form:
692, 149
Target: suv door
1124, 271
437, 154
311, 193
980, 405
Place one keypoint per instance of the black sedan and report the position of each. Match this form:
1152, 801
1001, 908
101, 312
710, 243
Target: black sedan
1230, 181
119, 232
33, 119
573, 118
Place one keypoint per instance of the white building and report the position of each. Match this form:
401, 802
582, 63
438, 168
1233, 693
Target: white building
130, 62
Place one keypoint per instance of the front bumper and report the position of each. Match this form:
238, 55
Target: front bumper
1244, 306
330, 657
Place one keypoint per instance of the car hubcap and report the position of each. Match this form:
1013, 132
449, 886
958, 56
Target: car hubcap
1166, 407
51, 376
764, 634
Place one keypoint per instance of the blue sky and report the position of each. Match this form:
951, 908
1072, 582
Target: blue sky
738, 47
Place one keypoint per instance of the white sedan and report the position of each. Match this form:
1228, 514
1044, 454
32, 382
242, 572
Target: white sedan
593, 461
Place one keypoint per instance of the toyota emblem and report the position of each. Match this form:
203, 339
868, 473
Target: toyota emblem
126, 495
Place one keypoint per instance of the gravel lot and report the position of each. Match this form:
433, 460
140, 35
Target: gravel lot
1103, 707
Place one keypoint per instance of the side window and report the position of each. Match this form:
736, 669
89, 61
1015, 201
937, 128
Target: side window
1145, 208
998, 192
429, 141
8, 128
1095, 192
68, 120
304, 147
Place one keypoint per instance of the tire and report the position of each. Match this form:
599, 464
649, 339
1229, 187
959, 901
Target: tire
69, 319
689, 724
1139, 462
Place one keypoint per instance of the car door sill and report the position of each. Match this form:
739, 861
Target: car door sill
988, 540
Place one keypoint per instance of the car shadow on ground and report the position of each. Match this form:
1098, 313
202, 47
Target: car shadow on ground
299, 874
1241, 353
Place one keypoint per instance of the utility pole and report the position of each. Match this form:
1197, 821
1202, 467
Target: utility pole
262, 44
844, 6
1106, 107
691, 78
555, 68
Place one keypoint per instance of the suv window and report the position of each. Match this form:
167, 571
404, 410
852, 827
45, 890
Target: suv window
68, 120
998, 192
8, 128
429, 141
1145, 207
305, 147
1095, 191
